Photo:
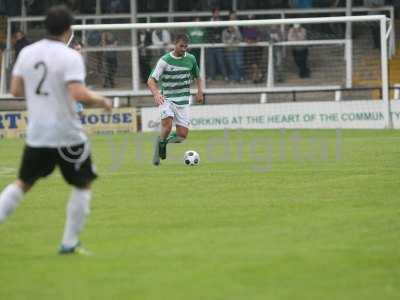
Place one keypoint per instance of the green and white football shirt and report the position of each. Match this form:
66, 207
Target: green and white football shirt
174, 75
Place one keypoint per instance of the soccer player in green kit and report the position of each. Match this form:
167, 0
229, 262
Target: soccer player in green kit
169, 83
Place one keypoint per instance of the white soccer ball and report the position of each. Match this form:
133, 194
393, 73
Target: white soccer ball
191, 158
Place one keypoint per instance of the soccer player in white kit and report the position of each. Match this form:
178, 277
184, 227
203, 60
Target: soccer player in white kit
51, 77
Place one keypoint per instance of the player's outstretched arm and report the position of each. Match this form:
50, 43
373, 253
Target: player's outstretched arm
200, 95
82, 94
153, 87
17, 86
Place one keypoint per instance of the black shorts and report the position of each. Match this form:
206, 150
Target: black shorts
75, 164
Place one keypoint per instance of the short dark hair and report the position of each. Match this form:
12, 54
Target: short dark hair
182, 37
75, 42
58, 20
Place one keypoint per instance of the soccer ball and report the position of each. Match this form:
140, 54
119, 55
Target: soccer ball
191, 158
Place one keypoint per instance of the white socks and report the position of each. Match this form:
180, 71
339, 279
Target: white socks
77, 209
9, 200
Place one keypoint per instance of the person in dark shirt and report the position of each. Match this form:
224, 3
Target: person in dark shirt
20, 42
215, 56
110, 59
144, 40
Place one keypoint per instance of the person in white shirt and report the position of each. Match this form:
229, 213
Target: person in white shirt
77, 45
300, 53
51, 77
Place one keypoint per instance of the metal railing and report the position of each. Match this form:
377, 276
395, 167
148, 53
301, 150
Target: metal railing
270, 78
336, 90
276, 13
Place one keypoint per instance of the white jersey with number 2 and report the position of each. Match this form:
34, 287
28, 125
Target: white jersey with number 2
47, 67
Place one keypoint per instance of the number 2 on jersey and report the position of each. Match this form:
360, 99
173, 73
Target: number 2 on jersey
43, 66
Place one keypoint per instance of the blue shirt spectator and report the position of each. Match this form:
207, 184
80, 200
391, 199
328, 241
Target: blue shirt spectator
301, 3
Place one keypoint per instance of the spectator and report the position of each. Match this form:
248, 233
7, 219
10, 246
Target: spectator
274, 35
20, 42
300, 53
300, 3
215, 56
232, 37
2, 48
375, 27
196, 36
144, 39
233, 17
248, 4
161, 38
252, 54
115, 6
328, 3
77, 45
73, 5
110, 59
94, 40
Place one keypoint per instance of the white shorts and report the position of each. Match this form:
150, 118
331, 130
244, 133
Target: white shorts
180, 113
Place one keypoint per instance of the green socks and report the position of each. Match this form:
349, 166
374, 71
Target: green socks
174, 138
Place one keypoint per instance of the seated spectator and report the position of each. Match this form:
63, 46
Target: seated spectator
20, 42
300, 53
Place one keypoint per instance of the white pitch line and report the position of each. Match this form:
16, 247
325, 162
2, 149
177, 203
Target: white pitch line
273, 169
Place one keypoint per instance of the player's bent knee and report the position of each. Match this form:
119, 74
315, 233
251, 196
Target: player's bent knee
80, 185
23, 185
182, 134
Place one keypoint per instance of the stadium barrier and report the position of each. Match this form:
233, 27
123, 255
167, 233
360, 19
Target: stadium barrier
95, 121
316, 115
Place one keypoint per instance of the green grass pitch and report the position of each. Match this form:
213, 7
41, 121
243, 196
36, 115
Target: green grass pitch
266, 215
